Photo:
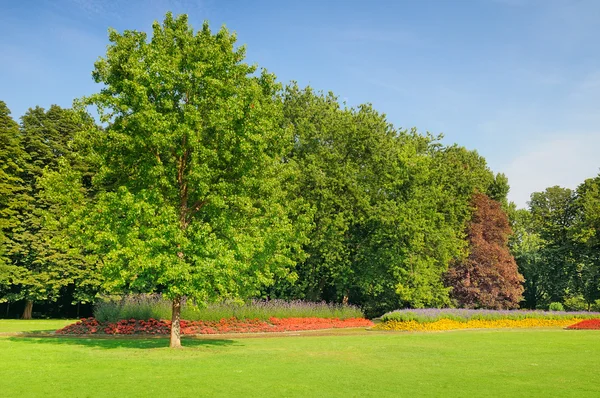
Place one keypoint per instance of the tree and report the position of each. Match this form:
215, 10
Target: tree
525, 245
553, 214
12, 195
45, 137
342, 154
191, 166
488, 277
586, 239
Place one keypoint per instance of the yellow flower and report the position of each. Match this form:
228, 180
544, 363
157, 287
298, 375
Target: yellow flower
448, 324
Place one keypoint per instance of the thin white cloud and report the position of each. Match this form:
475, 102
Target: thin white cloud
566, 160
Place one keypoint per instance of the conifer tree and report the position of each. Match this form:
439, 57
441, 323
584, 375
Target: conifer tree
12, 195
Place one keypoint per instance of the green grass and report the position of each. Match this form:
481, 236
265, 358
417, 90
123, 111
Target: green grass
33, 325
499, 363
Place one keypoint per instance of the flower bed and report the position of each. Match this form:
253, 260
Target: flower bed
231, 325
431, 319
450, 324
428, 315
588, 324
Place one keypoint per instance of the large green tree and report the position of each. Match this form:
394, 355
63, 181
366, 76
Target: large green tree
45, 138
556, 246
191, 166
339, 152
13, 193
525, 245
586, 238
553, 214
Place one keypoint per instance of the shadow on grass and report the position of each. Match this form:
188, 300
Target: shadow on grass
132, 343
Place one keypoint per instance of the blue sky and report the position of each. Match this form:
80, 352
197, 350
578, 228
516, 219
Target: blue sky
517, 80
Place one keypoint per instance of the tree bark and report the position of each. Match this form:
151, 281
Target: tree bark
345, 298
175, 325
28, 310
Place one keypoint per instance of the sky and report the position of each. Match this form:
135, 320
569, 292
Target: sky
516, 80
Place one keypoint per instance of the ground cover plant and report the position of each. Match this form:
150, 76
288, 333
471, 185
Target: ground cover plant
425, 315
511, 363
231, 325
145, 307
590, 324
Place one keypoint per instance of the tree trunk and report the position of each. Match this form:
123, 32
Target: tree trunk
28, 310
77, 310
345, 298
175, 326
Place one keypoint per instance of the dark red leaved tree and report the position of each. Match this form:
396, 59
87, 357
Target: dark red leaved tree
488, 277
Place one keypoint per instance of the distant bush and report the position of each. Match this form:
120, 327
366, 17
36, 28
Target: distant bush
576, 303
144, 307
556, 307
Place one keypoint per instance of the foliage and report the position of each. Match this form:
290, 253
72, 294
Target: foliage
556, 307
586, 237
576, 303
40, 266
553, 214
556, 246
389, 205
488, 277
525, 244
12, 195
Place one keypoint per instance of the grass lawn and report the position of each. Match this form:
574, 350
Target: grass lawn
498, 363
34, 325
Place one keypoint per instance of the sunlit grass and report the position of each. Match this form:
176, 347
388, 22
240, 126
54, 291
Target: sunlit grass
33, 325
509, 363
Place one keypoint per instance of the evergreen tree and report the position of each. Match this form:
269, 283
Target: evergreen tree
13, 194
46, 138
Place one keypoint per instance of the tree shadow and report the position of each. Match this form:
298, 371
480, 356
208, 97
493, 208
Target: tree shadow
125, 342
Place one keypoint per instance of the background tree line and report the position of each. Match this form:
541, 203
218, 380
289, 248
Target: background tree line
207, 179
557, 246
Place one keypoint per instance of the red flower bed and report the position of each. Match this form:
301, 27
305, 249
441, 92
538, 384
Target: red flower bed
232, 325
586, 324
